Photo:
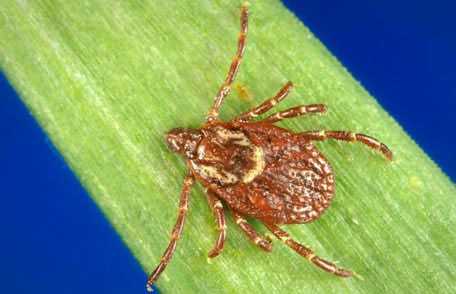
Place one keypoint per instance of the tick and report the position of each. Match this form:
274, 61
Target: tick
258, 170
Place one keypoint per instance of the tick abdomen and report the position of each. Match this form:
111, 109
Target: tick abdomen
265, 172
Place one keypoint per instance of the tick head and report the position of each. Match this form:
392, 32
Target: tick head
183, 141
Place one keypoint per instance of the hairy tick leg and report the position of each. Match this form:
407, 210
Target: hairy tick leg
308, 253
350, 137
225, 88
295, 111
217, 208
266, 105
263, 242
176, 232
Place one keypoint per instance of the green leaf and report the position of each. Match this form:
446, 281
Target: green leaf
106, 80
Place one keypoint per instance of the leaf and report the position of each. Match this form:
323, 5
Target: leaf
107, 79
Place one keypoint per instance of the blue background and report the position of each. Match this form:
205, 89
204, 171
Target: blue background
55, 240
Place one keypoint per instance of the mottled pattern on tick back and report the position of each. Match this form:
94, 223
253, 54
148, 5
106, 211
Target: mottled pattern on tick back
258, 170
226, 156
279, 176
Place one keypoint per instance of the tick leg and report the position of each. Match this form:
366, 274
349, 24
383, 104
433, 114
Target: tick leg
262, 242
266, 105
176, 232
225, 89
295, 111
217, 208
307, 253
350, 137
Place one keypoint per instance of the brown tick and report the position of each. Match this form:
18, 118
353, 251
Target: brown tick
258, 170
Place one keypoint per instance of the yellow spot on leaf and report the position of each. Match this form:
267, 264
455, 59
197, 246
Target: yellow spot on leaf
243, 92
415, 183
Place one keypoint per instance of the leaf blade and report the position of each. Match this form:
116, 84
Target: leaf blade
106, 82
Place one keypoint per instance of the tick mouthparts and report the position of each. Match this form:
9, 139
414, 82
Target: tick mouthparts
182, 140
172, 141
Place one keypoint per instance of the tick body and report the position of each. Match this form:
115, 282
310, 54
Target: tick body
258, 170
